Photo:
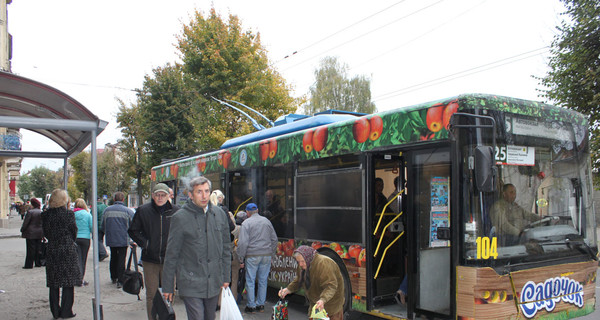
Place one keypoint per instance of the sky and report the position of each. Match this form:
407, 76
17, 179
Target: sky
413, 51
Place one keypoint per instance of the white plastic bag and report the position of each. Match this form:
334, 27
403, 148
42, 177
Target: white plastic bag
229, 308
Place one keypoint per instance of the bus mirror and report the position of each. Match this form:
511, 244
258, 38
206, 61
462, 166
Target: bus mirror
485, 169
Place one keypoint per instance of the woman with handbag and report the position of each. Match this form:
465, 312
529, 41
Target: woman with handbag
83, 219
31, 230
62, 261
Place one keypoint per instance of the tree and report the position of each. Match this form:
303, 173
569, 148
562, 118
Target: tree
223, 61
333, 89
38, 182
574, 77
82, 175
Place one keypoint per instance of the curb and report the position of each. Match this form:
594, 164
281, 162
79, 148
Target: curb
5, 236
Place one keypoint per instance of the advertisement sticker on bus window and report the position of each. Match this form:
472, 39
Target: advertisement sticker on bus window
515, 155
439, 210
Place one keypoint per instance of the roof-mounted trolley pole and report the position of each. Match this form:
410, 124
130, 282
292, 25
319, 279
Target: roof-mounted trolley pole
255, 124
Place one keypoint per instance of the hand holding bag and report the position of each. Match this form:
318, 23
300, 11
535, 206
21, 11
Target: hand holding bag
132, 280
318, 314
162, 308
229, 308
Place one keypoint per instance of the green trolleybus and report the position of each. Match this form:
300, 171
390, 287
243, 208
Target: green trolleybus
482, 203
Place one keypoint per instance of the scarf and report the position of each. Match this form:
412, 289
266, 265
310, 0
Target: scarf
308, 253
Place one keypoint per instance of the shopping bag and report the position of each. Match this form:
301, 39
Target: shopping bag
280, 311
314, 314
42, 252
132, 280
162, 308
229, 308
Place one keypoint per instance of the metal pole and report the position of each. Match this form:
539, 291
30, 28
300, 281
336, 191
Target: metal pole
97, 311
66, 174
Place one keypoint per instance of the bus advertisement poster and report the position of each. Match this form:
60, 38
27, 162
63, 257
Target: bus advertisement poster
439, 210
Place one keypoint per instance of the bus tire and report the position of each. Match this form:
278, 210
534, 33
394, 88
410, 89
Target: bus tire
347, 287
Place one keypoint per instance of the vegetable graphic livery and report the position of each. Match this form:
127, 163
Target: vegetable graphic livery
361, 130
376, 128
449, 110
320, 138
307, 141
434, 117
272, 148
263, 148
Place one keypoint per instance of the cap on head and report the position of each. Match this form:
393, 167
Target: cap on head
161, 187
251, 207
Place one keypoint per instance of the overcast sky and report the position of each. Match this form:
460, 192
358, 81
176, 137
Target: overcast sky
413, 51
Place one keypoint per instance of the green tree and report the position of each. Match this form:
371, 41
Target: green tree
333, 89
222, 60
82, 175
574, 77
134, 160
38, 182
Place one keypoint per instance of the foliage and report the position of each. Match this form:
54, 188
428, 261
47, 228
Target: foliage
223, 61
39, 182
333, 90
574, 77
82, 175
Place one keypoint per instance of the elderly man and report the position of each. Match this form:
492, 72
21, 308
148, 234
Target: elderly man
150, 230
198, 253
257, 242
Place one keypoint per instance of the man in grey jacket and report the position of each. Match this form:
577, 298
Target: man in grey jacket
198, 253
257, 242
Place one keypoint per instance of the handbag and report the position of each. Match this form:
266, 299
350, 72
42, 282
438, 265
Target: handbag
241, 285
132, 280
280, 311
43, 251
229, 308
161, 308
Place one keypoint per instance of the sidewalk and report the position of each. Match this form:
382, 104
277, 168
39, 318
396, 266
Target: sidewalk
14, 227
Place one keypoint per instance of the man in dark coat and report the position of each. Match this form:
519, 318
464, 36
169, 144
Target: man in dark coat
150, 230
62, 261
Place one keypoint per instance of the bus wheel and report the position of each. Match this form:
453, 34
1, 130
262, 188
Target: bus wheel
347, 287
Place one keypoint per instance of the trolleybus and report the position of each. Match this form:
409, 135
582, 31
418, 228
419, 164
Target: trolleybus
419, 192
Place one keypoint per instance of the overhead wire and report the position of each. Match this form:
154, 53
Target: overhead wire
464, 73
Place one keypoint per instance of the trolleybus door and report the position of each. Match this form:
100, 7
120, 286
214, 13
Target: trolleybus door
429, 191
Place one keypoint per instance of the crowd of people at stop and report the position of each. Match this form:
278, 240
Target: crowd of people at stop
191, 251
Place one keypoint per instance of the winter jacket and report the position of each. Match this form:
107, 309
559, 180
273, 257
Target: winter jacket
150, 230
83, 219
62, 261
115, 223
32, 225
198, 252
257, 238
326, 283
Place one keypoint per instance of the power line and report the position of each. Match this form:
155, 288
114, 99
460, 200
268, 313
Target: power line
364, 34
339, 31
464, 73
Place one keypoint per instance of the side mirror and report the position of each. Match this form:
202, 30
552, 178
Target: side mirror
485, 169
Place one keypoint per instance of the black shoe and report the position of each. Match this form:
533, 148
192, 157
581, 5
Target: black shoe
114, 281
27, 267
260, 308
102, 258
119, 285
249, 310
85, 283
71, 316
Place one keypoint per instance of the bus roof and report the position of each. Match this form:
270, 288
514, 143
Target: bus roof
334, 134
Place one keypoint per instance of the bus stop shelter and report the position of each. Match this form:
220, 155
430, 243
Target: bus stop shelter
28, 104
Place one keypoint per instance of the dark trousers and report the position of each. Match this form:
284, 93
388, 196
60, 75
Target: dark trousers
117, 262
65, 309
34, 248
83, 246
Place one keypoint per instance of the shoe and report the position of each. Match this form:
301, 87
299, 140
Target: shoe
27, 267
85, 283
119, 285
102, 258
260, 308
249, 310
68, 317
114, 281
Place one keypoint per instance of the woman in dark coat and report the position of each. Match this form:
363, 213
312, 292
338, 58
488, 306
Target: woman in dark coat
62, 263
31, 230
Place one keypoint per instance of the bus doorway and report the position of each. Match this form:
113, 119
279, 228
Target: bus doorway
388, 237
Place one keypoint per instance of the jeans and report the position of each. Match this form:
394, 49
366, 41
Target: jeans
257, 268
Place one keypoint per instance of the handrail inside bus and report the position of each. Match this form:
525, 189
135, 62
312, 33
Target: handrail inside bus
386, 226
385, 207
241, 204
385, 252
